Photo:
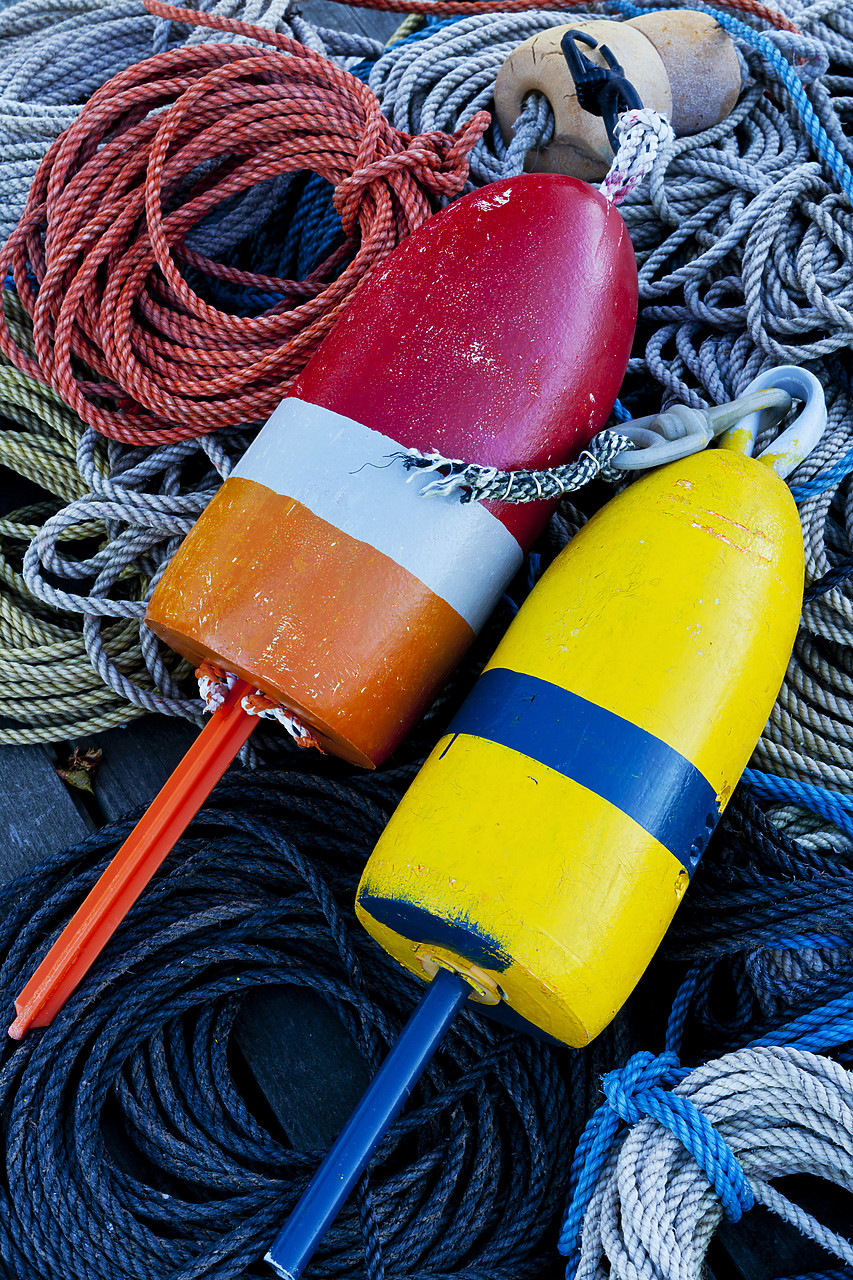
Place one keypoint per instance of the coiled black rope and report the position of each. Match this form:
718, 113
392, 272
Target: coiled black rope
133, 1145
769, 918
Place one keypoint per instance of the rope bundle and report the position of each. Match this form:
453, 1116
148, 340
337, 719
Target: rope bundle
174, 137
133, 1146
766, 929
808, 736
463, 7
77, 566
780, 1111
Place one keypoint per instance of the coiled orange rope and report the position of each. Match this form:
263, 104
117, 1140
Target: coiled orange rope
118, 332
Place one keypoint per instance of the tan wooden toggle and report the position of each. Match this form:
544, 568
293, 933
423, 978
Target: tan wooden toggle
681, 63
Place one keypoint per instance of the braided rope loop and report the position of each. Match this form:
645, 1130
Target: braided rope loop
473, 482
642, 134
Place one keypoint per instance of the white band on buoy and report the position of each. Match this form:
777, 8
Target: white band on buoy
345, 474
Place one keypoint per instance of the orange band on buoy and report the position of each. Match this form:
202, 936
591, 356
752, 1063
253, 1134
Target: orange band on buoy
305, 660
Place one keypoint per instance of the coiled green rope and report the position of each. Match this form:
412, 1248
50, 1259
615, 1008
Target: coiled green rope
50, 689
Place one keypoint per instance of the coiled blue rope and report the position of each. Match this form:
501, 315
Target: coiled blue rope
133, 1145
825, 480
832, 805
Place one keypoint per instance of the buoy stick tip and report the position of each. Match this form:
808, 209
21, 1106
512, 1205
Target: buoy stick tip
382, 1102
118, 887
280, 1271
19, 1028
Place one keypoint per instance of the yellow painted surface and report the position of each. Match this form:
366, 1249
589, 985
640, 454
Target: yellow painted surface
738, 440
577, 893
676, 607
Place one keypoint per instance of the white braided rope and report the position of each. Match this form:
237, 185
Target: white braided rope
642, 133
214, 685
300, 733
213, 688
781, 1111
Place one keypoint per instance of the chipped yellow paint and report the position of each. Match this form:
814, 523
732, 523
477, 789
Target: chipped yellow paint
738, 440
781, 460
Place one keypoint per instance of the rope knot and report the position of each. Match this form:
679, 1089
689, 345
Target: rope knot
214, 685
640, 1089
437, 161
604, 449
626, 1089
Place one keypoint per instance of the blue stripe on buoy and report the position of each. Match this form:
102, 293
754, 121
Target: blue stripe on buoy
633, 770
462, 935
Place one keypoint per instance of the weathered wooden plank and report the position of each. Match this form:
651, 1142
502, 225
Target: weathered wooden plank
303, 1061
137, 760
760, 1247
37, 815
763, 1247
342, 17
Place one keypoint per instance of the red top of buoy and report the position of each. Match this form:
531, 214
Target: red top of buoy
532, 380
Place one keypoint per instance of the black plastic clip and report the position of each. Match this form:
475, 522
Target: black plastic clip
602, 91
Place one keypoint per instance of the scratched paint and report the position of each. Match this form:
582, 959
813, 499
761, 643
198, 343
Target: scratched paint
482, 336
566, 853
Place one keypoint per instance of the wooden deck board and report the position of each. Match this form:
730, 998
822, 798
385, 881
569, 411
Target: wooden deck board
303, 1061
136, 762
365, 22
38, 816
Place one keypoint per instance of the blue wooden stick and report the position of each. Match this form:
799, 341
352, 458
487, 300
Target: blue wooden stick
361, 1135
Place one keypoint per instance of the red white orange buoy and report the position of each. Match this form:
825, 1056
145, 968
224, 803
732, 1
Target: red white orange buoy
499, 332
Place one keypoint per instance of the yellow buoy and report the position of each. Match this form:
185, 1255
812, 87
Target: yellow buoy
547, 841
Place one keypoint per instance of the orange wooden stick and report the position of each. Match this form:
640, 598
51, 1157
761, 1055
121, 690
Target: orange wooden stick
165, 820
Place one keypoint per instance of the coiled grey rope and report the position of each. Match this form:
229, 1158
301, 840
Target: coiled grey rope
781, 1111
77, 567
146, 506
55, 53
